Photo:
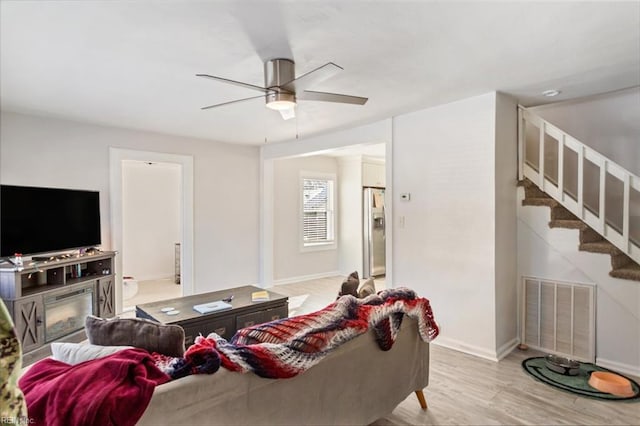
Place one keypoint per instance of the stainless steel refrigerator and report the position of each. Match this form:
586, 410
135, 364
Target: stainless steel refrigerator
374, 232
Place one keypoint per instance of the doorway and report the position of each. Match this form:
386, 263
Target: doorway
151, 223
350, 163
152, 226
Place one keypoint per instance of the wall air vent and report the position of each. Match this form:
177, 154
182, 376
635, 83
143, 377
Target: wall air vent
559, 317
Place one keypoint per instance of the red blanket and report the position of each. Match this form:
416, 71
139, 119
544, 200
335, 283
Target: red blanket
287, 347
114, 390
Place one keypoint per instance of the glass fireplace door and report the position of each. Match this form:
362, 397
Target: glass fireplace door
65, 312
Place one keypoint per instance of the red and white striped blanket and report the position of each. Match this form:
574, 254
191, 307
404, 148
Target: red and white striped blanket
287, 347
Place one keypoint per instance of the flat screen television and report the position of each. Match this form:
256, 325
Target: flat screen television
40, 220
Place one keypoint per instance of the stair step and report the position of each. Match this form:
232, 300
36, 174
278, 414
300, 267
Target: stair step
620, 260
588, 235
525, 182
549, 202
600, 247
534, 192
629, 272
559, 212
567, 223
590, 241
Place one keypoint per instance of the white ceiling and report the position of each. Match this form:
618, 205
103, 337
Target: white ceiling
133, 64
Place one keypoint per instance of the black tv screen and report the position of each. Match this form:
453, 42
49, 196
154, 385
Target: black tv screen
40, 220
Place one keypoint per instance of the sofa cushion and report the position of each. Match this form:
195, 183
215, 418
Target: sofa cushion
75, 353
136, 332
367, 288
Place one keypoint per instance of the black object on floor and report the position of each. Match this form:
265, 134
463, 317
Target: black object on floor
578, 384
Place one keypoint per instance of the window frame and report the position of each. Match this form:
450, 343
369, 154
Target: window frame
332, 229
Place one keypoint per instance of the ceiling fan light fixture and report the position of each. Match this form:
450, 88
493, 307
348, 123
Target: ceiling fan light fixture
281, 86
281, 101
287, 114
551, 93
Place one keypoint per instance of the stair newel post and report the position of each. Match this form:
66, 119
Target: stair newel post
601, 213
543, 130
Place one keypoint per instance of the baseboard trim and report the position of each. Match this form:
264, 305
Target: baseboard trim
153, 278
507, 348
459, 346
308, 278
631, 370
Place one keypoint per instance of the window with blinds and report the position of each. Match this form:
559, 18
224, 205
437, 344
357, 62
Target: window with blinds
317, 211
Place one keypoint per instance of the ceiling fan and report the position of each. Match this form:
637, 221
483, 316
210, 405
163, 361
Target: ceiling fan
282, 89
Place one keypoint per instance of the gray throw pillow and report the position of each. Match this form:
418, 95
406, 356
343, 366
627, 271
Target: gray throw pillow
136, 332
367, 288
350, 285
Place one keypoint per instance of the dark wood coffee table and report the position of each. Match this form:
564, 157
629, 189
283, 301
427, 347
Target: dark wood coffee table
244, 312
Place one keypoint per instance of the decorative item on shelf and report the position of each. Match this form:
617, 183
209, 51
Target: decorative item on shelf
89, 251
76, 272
17, 260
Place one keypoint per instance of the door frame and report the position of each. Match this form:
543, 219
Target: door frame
379, 132
116, 157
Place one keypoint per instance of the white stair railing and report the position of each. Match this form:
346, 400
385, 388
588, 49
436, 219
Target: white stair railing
543, 159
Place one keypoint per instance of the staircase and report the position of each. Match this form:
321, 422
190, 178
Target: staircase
583, 189
622, 266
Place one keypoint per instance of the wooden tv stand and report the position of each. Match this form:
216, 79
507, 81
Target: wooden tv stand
40, 285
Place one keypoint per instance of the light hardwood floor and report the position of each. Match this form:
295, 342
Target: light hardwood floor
153, 291
467, 390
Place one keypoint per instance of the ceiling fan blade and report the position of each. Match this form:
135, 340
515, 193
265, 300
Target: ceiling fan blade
312, 77
308, 95
236, 83
287, 114
233, 102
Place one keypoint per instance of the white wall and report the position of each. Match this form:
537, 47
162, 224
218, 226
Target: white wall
350, 249
446, 158
552, 254
506, 155
374, 133
45, 151
290, 263
608, 123
458, 169
151, 222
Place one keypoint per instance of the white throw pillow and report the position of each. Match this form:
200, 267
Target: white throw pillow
75, 353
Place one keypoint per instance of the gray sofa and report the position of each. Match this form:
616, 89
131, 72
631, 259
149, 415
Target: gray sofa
356, 384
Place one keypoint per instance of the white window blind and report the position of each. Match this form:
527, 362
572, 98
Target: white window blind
317, 210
